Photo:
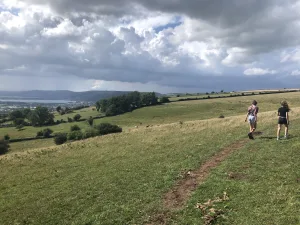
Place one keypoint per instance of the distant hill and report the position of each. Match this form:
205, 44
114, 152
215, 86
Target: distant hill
91, 96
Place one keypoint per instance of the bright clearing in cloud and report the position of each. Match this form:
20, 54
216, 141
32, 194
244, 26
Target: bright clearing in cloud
259, 71
164, 46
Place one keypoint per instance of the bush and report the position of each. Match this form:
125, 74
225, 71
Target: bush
44, 133
164, 99
39, 133
90, 121
47, 132
75, 128
70, 120
6, 137
107, 128
75, 135
90, 133
77, 117
60, 138
4, 147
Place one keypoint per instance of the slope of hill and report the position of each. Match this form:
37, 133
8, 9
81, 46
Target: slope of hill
124, 178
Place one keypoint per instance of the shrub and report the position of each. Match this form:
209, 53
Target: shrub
4, 147
6, 137
47, 132
75, 135
39, 133
107, 128
75, 128
44, 133
77, 117
90, 133
60, 138
70, 120
164, 99
90, 121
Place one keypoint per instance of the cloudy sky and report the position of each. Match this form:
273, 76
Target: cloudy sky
149, 45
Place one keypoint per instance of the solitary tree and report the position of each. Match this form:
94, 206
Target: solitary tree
77, 117
58, 108
90, 121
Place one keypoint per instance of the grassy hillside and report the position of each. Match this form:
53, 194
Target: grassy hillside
200, 109
122, 178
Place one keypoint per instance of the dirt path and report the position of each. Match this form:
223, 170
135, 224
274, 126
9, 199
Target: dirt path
177, 197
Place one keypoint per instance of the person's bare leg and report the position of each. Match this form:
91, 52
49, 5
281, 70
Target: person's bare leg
253, 127
278, 131
250, 134
286, 130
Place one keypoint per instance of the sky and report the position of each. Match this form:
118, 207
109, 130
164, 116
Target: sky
163, 46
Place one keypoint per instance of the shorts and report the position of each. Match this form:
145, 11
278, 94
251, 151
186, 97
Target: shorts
282, 120
251, 119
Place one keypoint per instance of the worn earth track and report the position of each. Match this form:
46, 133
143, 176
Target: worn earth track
177, 197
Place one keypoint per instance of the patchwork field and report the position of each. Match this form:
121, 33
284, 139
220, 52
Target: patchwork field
131, 178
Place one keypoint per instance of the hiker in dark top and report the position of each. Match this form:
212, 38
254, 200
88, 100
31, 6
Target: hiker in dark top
252, 118
283, 119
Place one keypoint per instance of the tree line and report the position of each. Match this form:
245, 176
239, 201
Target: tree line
39, 116
126, 103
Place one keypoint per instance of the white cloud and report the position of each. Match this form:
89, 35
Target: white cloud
295, 73
259, 71
158, 44
291, 56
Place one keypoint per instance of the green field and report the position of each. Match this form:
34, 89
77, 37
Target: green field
85, 114
200, 110
122, 178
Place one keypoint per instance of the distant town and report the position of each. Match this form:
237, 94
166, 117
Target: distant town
7, 105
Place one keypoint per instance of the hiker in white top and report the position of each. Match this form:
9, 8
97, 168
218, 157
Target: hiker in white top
251, 117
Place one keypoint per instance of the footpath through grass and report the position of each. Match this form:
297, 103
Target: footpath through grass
262, 181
